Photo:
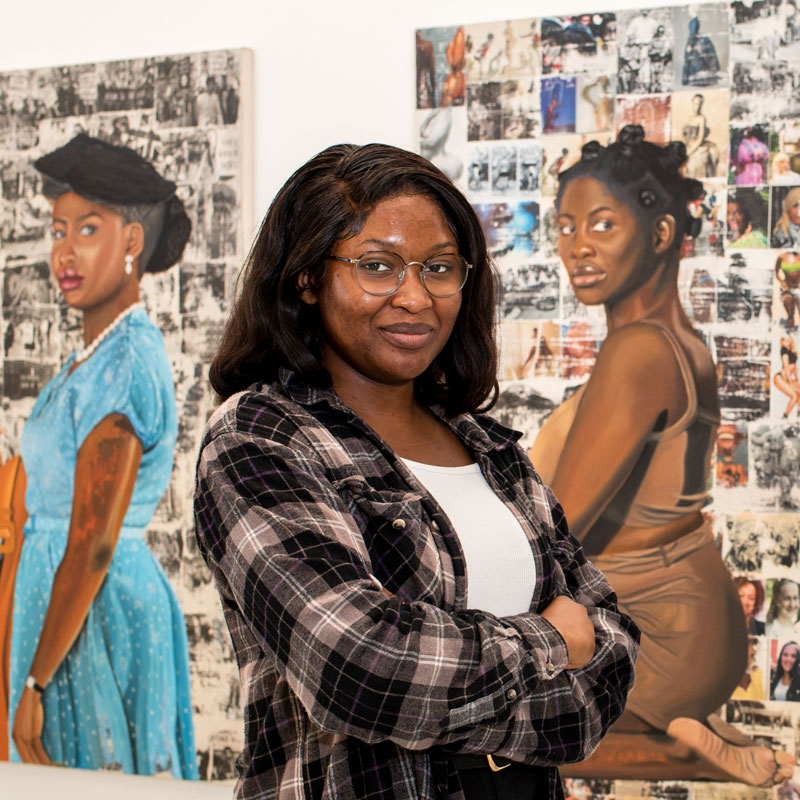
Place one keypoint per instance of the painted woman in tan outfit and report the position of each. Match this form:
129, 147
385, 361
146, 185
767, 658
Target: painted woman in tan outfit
629, 457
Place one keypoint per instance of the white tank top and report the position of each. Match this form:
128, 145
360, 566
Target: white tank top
501, 572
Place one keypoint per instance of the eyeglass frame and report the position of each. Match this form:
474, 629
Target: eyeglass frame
406, 265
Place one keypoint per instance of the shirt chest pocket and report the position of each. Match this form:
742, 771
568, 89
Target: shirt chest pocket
400, 538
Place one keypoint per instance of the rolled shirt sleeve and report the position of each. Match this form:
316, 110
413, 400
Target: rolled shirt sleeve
289, 558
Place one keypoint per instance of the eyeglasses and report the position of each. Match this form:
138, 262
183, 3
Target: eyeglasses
380, 273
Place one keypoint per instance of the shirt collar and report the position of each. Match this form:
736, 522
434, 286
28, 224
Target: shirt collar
304, 393
479, 432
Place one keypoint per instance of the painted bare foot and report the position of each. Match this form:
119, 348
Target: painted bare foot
754, 765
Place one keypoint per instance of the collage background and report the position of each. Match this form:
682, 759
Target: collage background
497, 143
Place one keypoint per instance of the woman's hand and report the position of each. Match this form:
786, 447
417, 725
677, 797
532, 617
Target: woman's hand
27, 730
572, 622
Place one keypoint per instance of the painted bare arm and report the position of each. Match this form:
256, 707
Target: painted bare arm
636, 380
105, 474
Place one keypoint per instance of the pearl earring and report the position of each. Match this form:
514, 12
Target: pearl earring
129, 264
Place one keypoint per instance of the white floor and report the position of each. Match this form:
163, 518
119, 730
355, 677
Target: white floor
30, 782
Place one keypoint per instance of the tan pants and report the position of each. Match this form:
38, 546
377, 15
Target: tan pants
694, 637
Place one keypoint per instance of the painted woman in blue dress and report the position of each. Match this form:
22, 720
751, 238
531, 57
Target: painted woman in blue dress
99, 658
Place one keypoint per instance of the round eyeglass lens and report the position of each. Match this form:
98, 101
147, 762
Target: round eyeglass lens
444, 275
381, 273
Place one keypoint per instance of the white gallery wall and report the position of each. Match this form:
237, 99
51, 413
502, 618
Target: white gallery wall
326, 71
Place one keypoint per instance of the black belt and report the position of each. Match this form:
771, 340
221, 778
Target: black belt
493, 777
494, 763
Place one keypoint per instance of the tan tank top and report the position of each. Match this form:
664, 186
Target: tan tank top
670, 477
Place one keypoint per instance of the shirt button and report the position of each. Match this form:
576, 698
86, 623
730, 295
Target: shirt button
511, 694
399, 524
549, 668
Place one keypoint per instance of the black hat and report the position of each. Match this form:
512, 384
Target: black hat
118, 176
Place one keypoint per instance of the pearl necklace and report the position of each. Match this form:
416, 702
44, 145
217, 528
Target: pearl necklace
84, 353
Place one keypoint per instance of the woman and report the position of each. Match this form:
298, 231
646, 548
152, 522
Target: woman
785, 684
786, 379
781, 173
702, 154
787, 272
396, 580
786, 232
751, 596
629, 456
454, 88
99, 659
701, 65
782, 614
746, 218
751, 157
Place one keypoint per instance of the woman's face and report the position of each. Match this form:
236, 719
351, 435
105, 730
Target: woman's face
735, 218
392, 339
794, 212
602, 243
747, 595
88, 255
788, 658
788, 602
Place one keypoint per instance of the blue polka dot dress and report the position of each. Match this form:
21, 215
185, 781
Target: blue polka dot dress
121, 696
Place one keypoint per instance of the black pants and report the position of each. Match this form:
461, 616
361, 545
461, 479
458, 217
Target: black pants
514, 782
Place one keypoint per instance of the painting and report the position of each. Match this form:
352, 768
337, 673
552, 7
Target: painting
717, 77
126, 190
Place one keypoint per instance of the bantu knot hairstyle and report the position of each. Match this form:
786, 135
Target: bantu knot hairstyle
644, 175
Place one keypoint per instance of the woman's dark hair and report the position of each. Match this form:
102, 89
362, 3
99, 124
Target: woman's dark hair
743, 580
326, 200
794, 673
643, 175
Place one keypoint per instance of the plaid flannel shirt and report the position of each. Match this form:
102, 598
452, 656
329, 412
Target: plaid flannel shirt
303, 513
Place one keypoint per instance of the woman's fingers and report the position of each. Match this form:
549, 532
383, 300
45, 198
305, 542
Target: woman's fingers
571, 620
39, 754
23, 750
23, 744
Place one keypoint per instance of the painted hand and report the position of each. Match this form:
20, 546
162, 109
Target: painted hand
27, 730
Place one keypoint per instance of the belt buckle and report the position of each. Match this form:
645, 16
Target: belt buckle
494, 766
